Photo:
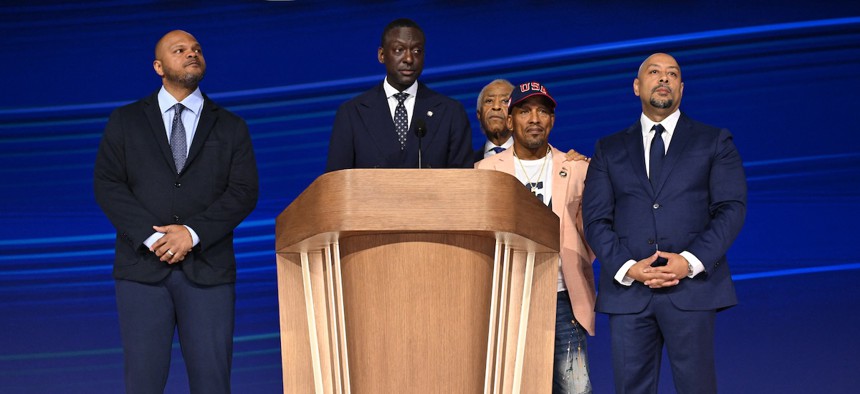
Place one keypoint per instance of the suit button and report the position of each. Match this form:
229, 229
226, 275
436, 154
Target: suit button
655, 206
650, 241
176, 219
177, 185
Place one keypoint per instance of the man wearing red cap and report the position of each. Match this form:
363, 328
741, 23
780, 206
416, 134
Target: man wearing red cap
559, 184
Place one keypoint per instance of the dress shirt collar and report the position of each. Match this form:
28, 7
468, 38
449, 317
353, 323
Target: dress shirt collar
488, 146
669, 124
391, 91
194, 101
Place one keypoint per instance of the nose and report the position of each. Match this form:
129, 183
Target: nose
534, 117
407, 57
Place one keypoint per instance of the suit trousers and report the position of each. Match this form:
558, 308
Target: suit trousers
637, 347
150, 313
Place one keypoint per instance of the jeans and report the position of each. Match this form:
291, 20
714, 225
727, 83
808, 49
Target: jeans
570, 364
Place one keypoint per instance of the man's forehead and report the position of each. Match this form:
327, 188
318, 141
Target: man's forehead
404, 34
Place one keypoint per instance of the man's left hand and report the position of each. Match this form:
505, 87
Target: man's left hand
676, 264
174, 245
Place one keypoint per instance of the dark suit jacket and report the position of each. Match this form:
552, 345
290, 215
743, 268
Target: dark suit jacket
363, 134
699, 206
137, 187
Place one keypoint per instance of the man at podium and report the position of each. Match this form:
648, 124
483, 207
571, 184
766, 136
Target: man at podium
559, 184
400, 122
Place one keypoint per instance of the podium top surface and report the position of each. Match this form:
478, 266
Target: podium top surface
473, 201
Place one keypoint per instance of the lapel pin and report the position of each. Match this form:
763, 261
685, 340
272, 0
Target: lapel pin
563, 173
429, 113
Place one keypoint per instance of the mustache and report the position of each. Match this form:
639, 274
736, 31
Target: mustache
664, 86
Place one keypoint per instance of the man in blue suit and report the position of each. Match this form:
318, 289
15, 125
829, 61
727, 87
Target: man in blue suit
663, 202
377, 128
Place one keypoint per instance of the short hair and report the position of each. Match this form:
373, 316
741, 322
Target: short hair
495, 81
397, 23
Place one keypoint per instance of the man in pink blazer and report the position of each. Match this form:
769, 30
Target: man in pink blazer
559, 184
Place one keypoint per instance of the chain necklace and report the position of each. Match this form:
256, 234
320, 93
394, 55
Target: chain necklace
540, 172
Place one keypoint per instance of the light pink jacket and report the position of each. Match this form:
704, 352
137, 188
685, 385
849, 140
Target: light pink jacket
576, 257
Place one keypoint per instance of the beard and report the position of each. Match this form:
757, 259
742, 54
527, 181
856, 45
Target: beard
186, 79
534, 143
663, 104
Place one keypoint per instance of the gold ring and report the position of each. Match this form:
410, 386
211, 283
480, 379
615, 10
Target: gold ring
170, 253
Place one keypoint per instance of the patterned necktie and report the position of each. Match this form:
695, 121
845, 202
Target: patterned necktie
497, 149
658, 152
177, 138
401, 119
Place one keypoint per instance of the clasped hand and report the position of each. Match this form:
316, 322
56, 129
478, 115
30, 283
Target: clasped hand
667, 275
174, 245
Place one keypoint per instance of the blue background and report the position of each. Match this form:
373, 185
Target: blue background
781, 75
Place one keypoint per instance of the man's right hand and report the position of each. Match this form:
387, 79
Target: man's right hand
649, 276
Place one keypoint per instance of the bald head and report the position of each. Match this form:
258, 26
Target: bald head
659, 86
179, 62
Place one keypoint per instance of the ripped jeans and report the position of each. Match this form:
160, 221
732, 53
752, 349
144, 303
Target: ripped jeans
570, 364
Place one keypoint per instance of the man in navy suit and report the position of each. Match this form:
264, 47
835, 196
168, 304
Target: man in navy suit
377, 128
660, 215
175, 174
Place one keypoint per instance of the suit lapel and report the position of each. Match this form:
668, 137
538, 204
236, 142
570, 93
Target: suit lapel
560, 182
680, 137
156, 127
376, 116
636, 152
208, 117
425, 107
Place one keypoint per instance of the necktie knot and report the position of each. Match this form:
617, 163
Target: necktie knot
497, 149
401, 97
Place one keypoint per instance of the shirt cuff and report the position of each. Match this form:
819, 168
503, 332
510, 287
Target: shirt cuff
151, 240
621, 275
194, 238
694, 261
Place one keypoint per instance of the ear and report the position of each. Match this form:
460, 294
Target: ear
156, 65
380, 55
636, 86
510, 122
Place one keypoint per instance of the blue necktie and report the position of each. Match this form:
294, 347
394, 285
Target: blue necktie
658, 152
177, 138
497, 149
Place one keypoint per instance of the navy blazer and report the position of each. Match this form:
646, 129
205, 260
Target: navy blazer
137, 187
699, 206
363, 135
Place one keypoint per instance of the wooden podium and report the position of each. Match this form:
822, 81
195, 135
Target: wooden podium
417, 281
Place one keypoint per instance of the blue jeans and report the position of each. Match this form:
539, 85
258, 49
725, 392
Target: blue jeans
570, 364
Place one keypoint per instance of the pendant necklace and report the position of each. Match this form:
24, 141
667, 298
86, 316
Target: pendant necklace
540, 173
